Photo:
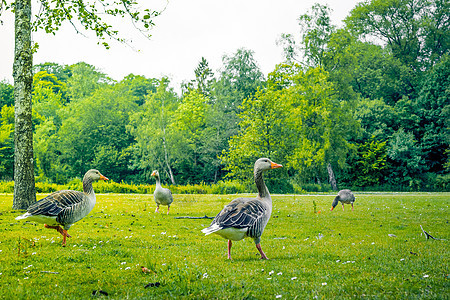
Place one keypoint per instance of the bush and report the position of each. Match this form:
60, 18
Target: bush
6, 186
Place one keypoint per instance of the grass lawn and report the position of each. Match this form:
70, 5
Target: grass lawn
378, 251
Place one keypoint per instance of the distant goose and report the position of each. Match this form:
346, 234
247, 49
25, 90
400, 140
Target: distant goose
345, 196
65, 207
162, 195
246, 217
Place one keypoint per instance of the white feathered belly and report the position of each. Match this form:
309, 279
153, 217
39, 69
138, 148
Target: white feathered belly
234, 234
49, 220
230, 233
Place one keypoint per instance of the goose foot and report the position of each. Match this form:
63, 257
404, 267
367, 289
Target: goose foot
60, 230
263, 255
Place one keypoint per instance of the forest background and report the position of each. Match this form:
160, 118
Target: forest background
367, 105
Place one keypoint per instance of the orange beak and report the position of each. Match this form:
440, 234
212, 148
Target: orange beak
275, 165
153, 173
103, 177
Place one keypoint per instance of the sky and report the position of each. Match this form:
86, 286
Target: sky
185, 32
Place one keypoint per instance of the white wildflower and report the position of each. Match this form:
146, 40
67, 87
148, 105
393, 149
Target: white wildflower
324, 283
122, 263
293, 278
34, 253
278, 296
271, 272
402, 259
127, 268
280, 273
205, 275
426, 276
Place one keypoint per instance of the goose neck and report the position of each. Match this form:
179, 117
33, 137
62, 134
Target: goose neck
158, 183
87, 185
263, 192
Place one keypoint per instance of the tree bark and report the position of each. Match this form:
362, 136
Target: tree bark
166, 158
24, 188
332, 177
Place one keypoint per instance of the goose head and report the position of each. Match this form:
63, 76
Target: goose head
264, 164
155, 173
94, 175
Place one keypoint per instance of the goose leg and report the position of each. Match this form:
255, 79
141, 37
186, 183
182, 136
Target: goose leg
168, 208
157, 209
60, 230
352, 206
342, 206
229, 249
263, 256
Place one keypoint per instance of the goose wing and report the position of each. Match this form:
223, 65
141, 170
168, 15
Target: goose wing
56, 202
240, 213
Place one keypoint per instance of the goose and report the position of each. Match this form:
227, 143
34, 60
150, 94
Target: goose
345, 196
64, 207
162, 195
246, 217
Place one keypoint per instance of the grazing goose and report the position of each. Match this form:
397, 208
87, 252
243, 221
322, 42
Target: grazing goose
162, 195
345, 196
65, 207
246, 217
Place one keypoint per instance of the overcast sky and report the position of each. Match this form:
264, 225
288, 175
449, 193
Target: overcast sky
184, 32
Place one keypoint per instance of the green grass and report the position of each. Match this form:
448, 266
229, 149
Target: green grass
324, 255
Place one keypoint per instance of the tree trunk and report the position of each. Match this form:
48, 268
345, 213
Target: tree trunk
24, 189
166, 158
332, 177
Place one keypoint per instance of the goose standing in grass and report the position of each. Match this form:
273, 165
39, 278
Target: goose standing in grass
162, 195
246, 217
345, 196
64, 207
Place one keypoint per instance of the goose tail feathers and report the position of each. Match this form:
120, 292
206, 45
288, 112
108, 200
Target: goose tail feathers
211, 229
24, 216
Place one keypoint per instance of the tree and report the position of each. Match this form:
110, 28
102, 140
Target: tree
263, 133
406, 158
100, 121
433, 110
240, 78
6, 142
204, 79
6, 94
155, 141
50, 17
189, 124
321, 123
